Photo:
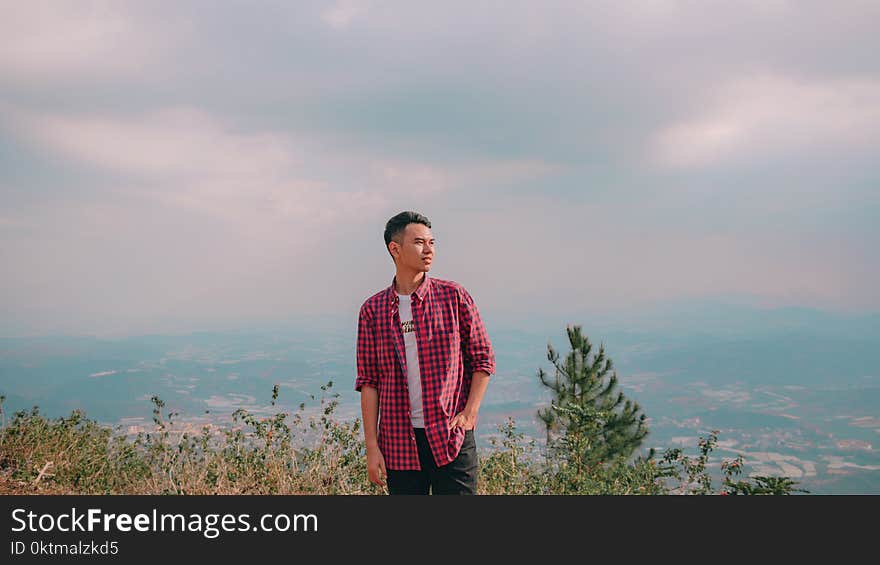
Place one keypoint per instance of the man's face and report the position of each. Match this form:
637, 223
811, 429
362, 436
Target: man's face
416, 248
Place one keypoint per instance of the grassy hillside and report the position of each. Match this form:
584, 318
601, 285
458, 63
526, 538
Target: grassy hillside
308, 452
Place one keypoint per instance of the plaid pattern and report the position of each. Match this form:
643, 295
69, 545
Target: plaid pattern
452, 345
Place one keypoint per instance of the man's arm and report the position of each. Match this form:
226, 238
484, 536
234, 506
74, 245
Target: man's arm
370, 413
478, 354
367, 383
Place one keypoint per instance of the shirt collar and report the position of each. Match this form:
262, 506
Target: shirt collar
420, 292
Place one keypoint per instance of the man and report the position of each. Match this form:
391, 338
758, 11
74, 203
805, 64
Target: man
423, 364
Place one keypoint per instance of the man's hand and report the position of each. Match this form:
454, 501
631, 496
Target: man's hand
466, 420
376, 466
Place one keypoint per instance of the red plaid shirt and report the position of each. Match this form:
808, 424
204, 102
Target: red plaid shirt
452, 345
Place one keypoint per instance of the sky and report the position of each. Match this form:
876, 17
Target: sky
183, 166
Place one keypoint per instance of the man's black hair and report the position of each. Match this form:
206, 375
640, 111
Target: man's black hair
398, 223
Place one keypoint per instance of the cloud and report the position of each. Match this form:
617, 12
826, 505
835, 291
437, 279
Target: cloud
341, 15
763, 117
184, 157
177, 142
46, 40
601, 258
187, 160
188, 215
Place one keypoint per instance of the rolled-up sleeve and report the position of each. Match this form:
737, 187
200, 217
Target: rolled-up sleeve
367, 365
476, 347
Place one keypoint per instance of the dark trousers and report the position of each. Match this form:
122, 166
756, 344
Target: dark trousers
457, 477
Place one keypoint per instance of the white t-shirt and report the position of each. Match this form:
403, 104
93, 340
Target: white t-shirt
413, 376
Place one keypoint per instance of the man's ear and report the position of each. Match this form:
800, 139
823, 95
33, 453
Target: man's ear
394, 249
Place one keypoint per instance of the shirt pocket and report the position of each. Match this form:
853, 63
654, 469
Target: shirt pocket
445, 335
445, 347
442, 323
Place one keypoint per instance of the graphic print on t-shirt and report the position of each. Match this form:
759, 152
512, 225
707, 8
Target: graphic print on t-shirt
413, 375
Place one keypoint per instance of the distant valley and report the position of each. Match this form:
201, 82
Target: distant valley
789, 402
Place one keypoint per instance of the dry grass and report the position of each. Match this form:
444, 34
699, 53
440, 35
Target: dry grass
284, 454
